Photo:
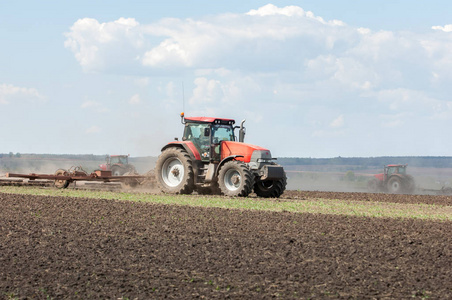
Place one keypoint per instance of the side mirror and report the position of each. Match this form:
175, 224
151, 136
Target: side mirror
206, 131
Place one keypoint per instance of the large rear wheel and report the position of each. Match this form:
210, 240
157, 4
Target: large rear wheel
270, 188
117, 171
395, 185
174, 171
235, 179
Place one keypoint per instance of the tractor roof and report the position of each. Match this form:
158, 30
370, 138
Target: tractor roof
397, 165
209, 120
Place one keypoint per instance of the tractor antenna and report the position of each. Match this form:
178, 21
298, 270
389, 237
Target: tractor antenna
183, 105
183, 97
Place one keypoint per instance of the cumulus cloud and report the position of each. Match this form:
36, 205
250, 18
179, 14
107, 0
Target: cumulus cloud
206, 90
446, 28
10, 93
97, 45
257, 39
289, 11
278, 41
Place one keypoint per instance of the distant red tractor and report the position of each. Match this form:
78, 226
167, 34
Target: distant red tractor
118, 165
394, 180
209, 160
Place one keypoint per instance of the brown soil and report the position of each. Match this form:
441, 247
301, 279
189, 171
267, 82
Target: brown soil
89, 249
380, 197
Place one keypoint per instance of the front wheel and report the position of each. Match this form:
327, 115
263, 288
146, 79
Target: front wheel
270, 188
174, 171
61, 183
372, 185
235, 179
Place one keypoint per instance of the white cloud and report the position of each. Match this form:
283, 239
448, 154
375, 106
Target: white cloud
445, 28
97, 45
269, 39
135, 99
94, 105
93, 130
338, 122
206, 90
10, 93
289, 11
268, 35
409, 101
142, 82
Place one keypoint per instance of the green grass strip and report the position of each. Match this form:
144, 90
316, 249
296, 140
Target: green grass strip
321, 206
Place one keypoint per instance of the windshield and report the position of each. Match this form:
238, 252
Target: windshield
402, 170
119, 160
396, 170
222, 133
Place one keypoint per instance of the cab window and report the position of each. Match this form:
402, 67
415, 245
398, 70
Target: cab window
222, 133
194, 132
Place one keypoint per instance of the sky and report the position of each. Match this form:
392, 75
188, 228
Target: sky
312, 78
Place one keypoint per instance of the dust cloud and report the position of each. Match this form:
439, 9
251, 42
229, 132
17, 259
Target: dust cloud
429, 181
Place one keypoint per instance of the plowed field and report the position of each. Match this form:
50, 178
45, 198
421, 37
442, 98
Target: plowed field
61, 247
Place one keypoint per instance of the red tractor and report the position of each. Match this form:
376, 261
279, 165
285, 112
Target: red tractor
209, 160
118, 165
394, 180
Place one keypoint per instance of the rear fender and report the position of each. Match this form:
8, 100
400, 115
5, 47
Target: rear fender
187, 146
403, 177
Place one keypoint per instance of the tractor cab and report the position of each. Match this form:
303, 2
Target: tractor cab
207, 134
117, 164
117, 160
394, 169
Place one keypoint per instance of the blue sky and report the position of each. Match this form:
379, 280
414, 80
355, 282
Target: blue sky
312, 78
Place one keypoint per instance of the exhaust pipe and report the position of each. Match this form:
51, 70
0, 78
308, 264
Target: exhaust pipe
242, 132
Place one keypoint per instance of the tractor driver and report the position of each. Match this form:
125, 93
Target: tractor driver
197, 134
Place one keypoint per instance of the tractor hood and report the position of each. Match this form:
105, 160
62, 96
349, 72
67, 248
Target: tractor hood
249, 152
380, 176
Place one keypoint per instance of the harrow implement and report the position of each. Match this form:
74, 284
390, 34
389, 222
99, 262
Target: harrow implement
62, 178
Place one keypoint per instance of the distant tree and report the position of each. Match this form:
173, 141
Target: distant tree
10, 154
350, 176
18, 154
